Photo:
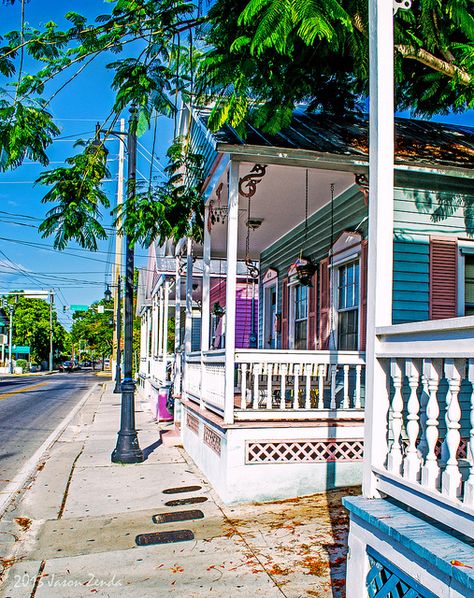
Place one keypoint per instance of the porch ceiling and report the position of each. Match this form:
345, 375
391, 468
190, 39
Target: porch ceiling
279, 200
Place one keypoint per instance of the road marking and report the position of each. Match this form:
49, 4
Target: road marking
20, 390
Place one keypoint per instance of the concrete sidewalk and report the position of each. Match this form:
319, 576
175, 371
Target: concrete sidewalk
73, 531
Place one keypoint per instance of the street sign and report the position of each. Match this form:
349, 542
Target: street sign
78, 307
20, 349
100, 309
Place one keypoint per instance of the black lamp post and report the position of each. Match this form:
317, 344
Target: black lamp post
127, 449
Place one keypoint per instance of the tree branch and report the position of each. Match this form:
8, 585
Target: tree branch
436, 64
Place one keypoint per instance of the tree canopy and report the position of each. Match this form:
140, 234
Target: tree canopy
252, 58
94, 329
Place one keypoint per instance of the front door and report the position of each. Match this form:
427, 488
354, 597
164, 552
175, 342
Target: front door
269, 328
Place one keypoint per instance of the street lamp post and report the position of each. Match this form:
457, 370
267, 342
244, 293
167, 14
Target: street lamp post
10, 336
127, 449
118, 373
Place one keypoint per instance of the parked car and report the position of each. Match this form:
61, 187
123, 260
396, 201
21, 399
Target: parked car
67, 366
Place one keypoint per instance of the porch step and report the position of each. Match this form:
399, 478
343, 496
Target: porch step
419, 536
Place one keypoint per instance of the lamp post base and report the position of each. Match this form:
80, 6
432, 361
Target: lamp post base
127, 450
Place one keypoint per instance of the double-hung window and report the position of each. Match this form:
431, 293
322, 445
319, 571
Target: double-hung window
300, 311
348, 296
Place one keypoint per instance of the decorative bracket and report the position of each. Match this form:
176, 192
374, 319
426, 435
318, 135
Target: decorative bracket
401, 5
248, 183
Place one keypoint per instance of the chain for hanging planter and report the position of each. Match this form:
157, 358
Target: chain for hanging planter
303, 266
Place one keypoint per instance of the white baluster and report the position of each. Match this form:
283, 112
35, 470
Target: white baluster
256, 372
357, 401
430, 470
269, 385
424, 397
333, 387
394, 461
296, 387
321, 376
412, 462
243, 387
283, 370
345, 401
451, 478
307, 403
469, 484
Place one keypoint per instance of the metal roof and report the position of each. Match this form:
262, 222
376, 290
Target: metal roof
417, 142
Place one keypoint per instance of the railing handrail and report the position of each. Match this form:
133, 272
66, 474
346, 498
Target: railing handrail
449, 338
294, 356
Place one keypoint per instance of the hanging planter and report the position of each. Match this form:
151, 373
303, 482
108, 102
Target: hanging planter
304, 271
218, 310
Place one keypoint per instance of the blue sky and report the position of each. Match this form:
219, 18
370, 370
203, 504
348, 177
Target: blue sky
27, 260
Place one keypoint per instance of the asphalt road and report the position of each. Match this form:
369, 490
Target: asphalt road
31, 407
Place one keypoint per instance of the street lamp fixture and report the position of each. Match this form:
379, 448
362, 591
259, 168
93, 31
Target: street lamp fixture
107, 294
127, 449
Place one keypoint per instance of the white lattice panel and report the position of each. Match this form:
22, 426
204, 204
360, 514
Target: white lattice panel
304, 451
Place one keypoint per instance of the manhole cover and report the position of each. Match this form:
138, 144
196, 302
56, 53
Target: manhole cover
181, 489
177, 516
182, 535
192, 500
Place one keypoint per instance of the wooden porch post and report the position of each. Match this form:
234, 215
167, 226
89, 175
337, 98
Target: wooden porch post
380, 245
177, 331
165, 324
154, 327
189, 297
231, 289
160, 323
206, 284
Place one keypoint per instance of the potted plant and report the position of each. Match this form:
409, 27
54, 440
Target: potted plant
304, 271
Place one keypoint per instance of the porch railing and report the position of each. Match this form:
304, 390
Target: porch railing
158, 368
282, 384
274, 380
429, 450
204, 379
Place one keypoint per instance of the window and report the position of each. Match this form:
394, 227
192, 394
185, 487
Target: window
469, 285
348, 307
300, 310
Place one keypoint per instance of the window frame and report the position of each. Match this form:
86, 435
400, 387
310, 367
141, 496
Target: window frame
468, 246
292, 287
352, 256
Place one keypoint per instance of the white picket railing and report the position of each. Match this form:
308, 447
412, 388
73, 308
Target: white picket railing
158, 367
290, 381
430, 417
204, 379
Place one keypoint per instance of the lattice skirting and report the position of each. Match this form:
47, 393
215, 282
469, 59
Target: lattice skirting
212, 439
192, 423
384, 580
304, 451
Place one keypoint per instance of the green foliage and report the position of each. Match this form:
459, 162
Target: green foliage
22, 363
78, 194
31, 327
172, 209
94, 329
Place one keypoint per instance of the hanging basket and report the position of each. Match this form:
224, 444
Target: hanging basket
304, 270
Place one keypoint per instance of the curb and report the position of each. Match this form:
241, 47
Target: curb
8, 494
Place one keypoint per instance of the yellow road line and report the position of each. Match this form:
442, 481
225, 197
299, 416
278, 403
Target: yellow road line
20, 390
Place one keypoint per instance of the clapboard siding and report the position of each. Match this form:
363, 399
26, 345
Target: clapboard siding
243, 315
349, 213
410, 281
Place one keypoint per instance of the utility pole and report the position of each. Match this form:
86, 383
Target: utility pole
10, 336
118, 331
118, 258
127, 449
51, 300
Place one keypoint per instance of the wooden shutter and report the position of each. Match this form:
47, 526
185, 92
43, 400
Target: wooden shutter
312, 313
324, 304
363, 296
443, 278
284, 314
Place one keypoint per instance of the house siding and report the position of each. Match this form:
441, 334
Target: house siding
243, 316
349, 213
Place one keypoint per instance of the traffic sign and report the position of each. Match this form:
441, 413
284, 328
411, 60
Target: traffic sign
78, 307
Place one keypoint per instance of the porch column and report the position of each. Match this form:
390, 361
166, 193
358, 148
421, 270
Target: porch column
206, 284
380, 240
231, 289
153, 327
189, 298
165, 326
177, 331
160, 323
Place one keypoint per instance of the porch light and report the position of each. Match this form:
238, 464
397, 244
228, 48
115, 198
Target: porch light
254, 223
304, 271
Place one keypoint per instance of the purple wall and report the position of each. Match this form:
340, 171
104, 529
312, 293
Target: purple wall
243, 324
